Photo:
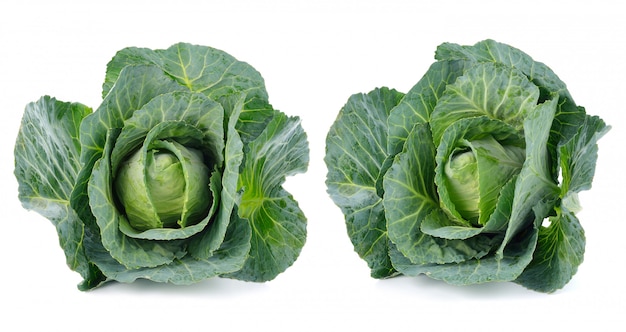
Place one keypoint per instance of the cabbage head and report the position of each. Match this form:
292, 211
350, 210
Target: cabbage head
470, 177
176, 177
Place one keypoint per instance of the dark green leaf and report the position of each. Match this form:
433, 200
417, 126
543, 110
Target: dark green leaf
203, 246
187, 270
534, 185
47, 163
561, 245
418, 104
198, 68
356, 151
560, 251
487, 89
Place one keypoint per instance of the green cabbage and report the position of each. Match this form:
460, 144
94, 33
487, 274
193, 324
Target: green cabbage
455, 178
176, 177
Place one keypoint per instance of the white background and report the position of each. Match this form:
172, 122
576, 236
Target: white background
313, 56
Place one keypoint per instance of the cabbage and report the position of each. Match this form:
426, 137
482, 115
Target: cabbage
176, 177
470, 177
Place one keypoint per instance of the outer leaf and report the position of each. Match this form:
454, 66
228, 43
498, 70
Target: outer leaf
356, 149
418, 104
486, 269
561, 245
410, 192
130, 56
278, 224
488, 89
198, 68
438, 224
47, 154
492, 51
559, 252
578, 156
255, 114
211, 71
203, 246
534, 184
186, 270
